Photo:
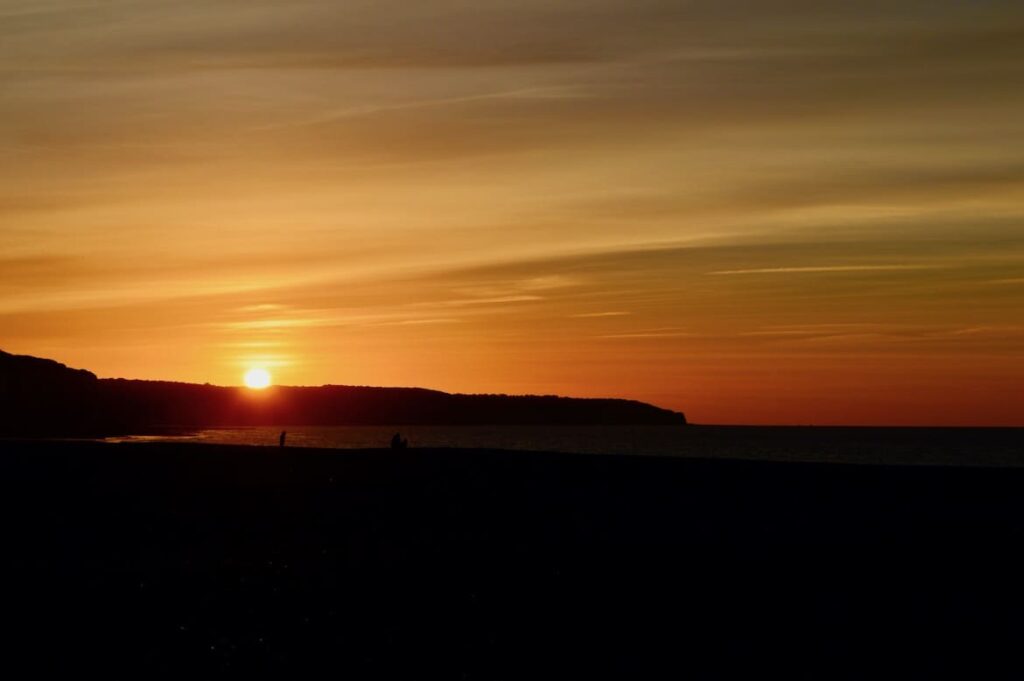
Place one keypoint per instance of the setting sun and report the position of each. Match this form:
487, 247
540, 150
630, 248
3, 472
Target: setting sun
257, 379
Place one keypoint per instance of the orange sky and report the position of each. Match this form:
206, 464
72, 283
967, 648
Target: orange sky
752, 211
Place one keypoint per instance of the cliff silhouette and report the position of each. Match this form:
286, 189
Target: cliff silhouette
41, 397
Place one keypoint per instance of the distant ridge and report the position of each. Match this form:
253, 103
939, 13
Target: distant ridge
40, 397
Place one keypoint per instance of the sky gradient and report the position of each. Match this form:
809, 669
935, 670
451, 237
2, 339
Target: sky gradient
753, 211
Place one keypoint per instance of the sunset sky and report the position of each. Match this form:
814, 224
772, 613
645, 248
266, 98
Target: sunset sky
754, 211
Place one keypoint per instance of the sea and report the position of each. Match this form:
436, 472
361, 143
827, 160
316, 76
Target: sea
909, 446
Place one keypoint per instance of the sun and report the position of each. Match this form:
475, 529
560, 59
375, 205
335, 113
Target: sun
257, 378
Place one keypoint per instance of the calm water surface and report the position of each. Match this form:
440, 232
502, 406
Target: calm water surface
979, 446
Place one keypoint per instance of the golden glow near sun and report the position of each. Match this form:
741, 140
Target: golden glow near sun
257, 379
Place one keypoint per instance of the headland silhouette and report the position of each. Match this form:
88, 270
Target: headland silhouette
42, 397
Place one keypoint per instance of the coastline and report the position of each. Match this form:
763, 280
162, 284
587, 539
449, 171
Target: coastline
998, 447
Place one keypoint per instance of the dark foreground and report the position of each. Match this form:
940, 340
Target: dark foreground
505, 565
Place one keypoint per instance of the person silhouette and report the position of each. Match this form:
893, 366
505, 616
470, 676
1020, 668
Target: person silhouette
284, 434
397, 442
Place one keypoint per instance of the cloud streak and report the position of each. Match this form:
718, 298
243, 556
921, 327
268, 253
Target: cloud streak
829, 269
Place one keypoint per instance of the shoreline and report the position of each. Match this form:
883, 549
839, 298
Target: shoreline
957, 447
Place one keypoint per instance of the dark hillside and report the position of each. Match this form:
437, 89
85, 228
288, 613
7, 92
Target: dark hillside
44, 397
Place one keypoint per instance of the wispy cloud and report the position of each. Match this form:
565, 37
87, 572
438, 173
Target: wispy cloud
419, 322
552, 92
497, 300
652, 333
590, 315
827, 269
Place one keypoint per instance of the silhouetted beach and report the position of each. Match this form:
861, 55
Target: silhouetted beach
485, 564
